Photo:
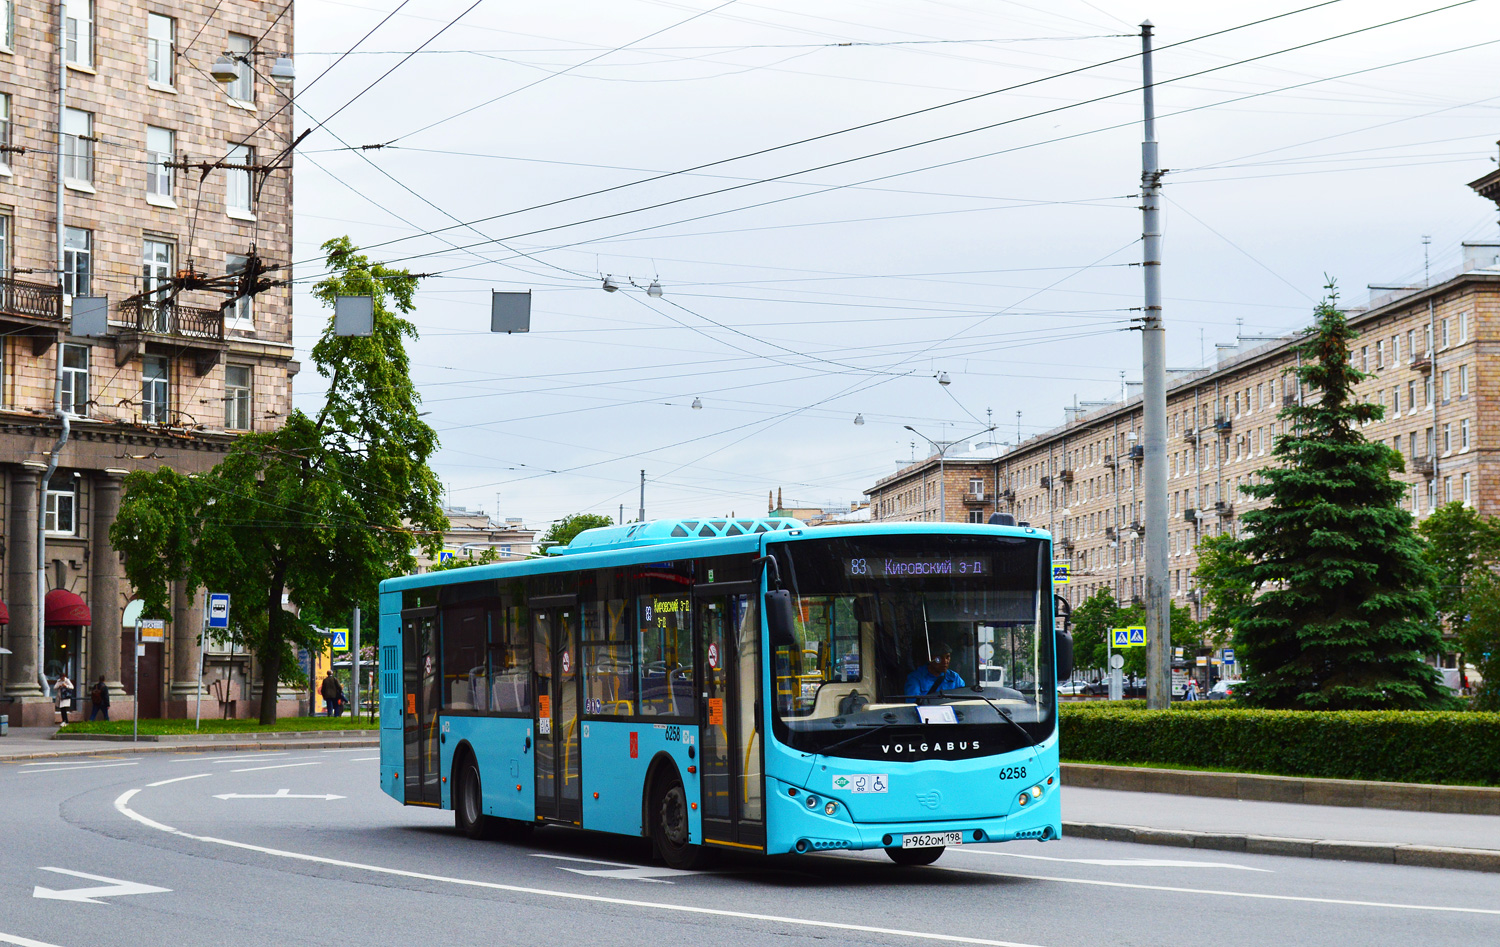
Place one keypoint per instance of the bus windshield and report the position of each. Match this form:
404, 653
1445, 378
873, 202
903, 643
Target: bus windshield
899, 634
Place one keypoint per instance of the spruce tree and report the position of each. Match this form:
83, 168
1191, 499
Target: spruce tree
1344, 612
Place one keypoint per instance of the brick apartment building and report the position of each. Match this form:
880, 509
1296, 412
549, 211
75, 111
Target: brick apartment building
142, 181
1431, 354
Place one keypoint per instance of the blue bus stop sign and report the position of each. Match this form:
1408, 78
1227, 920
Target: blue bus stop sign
218, 610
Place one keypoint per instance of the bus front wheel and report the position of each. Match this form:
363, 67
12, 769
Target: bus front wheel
914, 856
669, 827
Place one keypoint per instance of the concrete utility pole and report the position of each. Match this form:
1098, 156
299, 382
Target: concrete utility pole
1154, 410
642, 517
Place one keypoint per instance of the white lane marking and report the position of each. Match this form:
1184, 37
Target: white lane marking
122, 805
74, 769
256, 769
278, 794
1118, 862
111, 888
23, 941
178, 779
618, 870
358, 749
1252, 895
363, 759
86, 762
198, 757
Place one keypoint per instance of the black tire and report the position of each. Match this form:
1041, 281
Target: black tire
915, 857
468, 803
669, 826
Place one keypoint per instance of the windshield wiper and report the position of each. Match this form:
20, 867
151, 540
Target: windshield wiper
978, 692
848, 740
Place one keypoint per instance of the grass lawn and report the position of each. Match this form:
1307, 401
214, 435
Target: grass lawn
284, 724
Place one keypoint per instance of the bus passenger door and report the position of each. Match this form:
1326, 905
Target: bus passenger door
729, 647
420, 673
559, 783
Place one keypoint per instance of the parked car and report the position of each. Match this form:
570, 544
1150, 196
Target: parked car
1221, 690
1072, 688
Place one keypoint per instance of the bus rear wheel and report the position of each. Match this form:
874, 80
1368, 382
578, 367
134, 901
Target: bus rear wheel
669, 827
468, 804
914, 856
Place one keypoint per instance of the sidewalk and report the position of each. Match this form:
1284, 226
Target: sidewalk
1434, 839
23, 743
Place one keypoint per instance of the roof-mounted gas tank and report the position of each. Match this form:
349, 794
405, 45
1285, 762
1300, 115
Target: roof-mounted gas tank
657, 532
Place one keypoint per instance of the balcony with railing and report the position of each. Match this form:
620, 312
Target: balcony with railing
975, 498
33, 302
169, 323
1423, 466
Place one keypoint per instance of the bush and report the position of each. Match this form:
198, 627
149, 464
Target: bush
1456, 747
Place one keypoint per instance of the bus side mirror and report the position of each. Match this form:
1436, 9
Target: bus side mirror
780, 619
1064, 656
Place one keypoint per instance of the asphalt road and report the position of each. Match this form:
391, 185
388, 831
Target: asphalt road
277, 862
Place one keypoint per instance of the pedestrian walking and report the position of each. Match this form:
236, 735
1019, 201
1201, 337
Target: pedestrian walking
99, 699
333, 695
65, 694
1190, 691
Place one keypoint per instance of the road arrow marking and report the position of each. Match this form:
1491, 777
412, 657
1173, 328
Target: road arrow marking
278, 794
112, 887
619, 870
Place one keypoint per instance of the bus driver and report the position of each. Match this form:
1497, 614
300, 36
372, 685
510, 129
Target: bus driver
935, 676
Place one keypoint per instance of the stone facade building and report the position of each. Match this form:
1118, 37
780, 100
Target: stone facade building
154, 187
1431, 353
472, 532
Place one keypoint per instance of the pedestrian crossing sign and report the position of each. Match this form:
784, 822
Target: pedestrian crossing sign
1132, 637
340, 639
1137, 636
1061, 572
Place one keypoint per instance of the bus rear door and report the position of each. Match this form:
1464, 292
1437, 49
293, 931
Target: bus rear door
420, 677
559, 783
729, 648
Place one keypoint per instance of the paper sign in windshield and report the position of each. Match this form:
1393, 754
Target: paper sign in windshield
943, 714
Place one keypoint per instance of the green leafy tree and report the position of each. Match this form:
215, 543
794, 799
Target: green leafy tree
316, 512
1479, 636
562, 532
1222, 585
1344, 610
1096, 615
489, 556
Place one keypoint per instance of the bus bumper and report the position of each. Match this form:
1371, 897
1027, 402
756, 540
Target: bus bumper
798, 828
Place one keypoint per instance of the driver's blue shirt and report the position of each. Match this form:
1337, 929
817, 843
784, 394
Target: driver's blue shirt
920, 682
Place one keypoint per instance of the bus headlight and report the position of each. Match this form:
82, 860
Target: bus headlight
812, 801
831, 808
1036, 792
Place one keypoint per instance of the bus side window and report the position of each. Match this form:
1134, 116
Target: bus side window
510, 660
609, 672
668, 686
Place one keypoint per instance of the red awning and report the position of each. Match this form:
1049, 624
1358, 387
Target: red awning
4, 614
65, 608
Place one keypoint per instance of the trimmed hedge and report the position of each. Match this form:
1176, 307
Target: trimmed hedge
1454, 747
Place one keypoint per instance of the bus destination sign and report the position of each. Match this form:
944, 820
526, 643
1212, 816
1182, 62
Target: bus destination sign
901, 567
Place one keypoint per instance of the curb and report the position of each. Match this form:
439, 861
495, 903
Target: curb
1386, 853
191, 747
1359, 793
214, 737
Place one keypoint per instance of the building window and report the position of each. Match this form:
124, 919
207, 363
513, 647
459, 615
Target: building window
78, 245
154, 372
1447, 489
242, 89
976, 516
1463, 381
237, 195
1379, 353
1395, 350
1463, 327
7, 24
4, 129
78, 147
976, 486
237, 380
1447, 438
156, 274
78, 32
1468, 484
1447, 387
160, 145
62, 505
1463, 434
1445, 333
1396, 402
1364, 358
160, 34
75, 380
4, 245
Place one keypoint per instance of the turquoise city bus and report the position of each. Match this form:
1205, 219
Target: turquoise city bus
741, 684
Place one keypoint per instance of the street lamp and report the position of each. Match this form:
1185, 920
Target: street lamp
942, 448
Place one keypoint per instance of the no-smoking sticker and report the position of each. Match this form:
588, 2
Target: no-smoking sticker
713, 656
567, 663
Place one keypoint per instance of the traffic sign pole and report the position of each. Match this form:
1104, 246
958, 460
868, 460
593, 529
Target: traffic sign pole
202, 651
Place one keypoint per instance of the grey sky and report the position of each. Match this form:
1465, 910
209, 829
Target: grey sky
1001, 256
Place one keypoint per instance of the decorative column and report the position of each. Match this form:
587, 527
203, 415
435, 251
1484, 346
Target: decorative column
104, 589
187, 625
32, 707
